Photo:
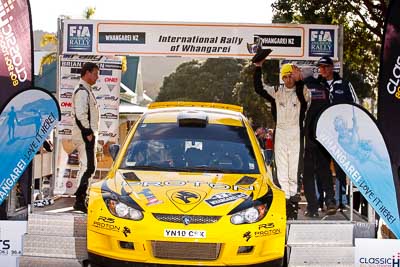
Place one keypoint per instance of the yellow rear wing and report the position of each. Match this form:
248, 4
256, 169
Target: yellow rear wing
195, 104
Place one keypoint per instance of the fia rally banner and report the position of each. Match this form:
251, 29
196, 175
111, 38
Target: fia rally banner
376, 252
107, 93
199, 39
25, 122
351, 136
389, 89
11, 234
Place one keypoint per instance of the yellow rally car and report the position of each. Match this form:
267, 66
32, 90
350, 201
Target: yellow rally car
188, 187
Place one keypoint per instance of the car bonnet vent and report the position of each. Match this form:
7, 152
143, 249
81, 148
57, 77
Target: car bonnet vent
192, 119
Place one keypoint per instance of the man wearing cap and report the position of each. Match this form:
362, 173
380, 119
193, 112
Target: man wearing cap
340, 91
316, 159
291, 104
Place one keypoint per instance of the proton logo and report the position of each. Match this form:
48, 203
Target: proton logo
186, 220
186, 197
185, 200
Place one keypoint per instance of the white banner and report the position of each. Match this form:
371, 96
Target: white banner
11, 233
305, 42
106, 91
376, 252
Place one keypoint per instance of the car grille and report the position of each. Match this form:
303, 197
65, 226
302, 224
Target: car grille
185, 250
178, 218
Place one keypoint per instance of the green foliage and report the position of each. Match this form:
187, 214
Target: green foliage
211, 80
362, 22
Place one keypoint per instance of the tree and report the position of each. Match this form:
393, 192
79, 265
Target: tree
211, 80
362, 22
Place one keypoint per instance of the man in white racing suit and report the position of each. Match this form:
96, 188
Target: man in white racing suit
85, 130
291, 104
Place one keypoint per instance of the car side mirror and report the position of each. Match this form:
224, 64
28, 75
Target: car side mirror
114, 149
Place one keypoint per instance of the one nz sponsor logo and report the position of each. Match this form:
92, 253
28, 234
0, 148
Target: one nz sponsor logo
223, 198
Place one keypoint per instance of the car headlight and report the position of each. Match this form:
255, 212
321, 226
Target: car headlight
250, 215
122, 210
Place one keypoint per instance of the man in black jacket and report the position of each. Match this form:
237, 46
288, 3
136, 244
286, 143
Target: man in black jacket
316, 158
340, 91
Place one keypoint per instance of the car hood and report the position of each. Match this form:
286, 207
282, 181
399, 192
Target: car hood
192, 193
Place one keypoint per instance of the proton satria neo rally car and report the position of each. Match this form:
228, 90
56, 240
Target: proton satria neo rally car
188, 187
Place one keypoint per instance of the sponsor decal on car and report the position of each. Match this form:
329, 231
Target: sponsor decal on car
184, 233
106, 219
185, 197
126, 231
266, 226
151, 198
192, 183
106, 226
223, 198
269, 232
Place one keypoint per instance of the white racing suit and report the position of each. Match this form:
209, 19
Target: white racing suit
287, 134
87, 120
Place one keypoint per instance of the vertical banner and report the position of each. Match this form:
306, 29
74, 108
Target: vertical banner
389, 90
106, 91
25, 122
16, 66
16, 48
352, 137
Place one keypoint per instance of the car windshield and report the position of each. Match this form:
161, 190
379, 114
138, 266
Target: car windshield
170, 147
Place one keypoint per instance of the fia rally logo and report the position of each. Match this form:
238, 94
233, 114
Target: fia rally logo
80, 37
321, 42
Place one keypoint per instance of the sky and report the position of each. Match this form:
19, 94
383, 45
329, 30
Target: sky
46, 12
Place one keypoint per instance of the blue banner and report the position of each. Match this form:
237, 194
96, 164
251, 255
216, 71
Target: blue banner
351, 136
25, 122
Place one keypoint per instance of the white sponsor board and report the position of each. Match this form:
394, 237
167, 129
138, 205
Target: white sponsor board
184, 233
377, 252
290, 41
11, 233
107, 93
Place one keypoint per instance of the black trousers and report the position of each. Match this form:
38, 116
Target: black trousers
90, 169
316, 165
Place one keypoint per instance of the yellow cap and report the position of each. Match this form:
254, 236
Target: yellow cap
286, 69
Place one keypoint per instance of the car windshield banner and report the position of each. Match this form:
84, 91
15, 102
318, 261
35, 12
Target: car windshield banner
23, 128
351, 136
389, 89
